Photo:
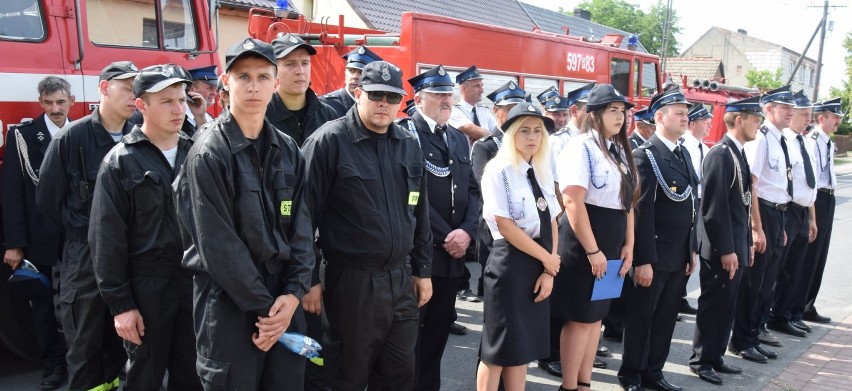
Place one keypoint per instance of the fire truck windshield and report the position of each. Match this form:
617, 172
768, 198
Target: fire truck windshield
21, 20
136, 23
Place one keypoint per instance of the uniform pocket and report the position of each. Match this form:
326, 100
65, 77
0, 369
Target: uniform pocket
283, 184
148, 189
414, 178
211, 372
358, 181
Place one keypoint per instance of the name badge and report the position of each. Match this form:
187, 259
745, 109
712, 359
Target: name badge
413, 197
286, 207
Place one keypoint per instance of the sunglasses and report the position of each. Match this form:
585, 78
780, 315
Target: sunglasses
377, 96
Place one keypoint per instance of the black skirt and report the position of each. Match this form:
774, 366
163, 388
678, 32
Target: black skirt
572, 287
515, 328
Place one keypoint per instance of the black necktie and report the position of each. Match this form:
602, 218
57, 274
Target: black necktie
789, 166
809, 170
545, 231
701, 154
829, 151
626, 179
441, 131
475, 117
614, 152
746, 171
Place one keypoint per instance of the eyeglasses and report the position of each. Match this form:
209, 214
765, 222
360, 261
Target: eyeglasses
377, 96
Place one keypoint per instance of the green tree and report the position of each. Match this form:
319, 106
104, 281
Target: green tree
649, 26
845, 92
764, 80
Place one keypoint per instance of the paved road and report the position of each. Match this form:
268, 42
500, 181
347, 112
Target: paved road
460, 358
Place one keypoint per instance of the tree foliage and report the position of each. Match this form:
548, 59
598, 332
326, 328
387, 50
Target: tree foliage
764, 80
845, 92
648, 25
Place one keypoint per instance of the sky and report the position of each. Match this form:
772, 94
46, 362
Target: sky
789, 23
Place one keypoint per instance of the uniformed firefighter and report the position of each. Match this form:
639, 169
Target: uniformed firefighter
555, 107
643, 122
343, 99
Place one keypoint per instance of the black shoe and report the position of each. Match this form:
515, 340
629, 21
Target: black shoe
686, 308
801, 326
457, 329
552, 367
632, 387
603, 351
53, 378
708, 375
767, 338
661, 384
750, 354
786, 328
728, 369
467, 295
766, 352
813, 316
615, 335
600, 364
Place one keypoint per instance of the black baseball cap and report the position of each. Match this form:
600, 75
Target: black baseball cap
381, 76
287, 43
246, 47
156, 78
119, 70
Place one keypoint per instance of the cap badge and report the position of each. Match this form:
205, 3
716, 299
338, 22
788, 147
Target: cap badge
531, 108
133, 67
361, 50
557, 100
441, 71
386, 76
616, 92
249, 45
512, 85
293, 39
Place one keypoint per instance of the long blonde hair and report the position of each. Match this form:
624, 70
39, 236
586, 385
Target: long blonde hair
540, 160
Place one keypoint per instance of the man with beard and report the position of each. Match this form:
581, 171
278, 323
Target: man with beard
340, 101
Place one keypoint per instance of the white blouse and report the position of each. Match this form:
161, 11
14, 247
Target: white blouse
506, 192
602, 183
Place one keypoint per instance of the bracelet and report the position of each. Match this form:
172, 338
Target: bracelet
593, 252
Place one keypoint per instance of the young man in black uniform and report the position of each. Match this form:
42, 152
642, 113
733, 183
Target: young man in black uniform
368, 199
295, 109
64, 195
247, 233
725, 243
33, 237
135, 240
454, 210
340, 101
665, 243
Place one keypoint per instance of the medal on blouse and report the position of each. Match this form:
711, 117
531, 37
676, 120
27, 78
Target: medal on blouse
541, 204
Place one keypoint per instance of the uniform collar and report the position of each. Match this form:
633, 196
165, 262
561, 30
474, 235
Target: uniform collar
101, 133
736, 143
277, 111
465, 106
237, 141
668, 143
790, 134
772, 128
137, 135
821, 135
359, 132
690, 139
51, 127
429, 121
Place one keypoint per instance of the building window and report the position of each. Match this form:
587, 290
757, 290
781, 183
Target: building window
135, 23
810, 77
800, 76
739, 70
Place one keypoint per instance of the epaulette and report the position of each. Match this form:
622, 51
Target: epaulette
764, 130
646, 145
815, 136
27, 122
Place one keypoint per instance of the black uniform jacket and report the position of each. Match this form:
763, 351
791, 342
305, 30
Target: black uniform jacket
368, 196
727, 224
28, 228
449, 209
483, 151
69, 172
665, 229
636, 140
243, 219
339, 101
134, 228
284, 120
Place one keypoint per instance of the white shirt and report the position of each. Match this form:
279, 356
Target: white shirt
557, 142
767, 164
522, 207
432, 124
803, 195
824, 156
668, 143
692, 146
603, 183
463, 115
171, 155
52, 128
191, 118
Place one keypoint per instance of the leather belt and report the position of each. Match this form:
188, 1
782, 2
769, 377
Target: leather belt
781, 207
795, 205
826, 190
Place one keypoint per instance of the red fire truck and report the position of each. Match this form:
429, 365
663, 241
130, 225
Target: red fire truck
75, 39
713, 94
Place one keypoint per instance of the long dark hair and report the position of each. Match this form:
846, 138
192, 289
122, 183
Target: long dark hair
629, 180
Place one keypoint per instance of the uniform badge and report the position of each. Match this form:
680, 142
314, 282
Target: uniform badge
557, 100
249, 45
616, 92
413, 197
286, 208
673, 188
531, 108
361, 50
789, 174
541, 204
512, 85
133, 67
40, 136
386, 76
441, 71
293, 39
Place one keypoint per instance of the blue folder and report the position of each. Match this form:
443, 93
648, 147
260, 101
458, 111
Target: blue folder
609, 287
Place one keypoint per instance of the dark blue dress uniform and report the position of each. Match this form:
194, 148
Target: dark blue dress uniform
664, 239
248, 238
644, 115
454, 203
369, 202
725, 215
341, 100
30, 230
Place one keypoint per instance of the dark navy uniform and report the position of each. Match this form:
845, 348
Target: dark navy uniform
340, 101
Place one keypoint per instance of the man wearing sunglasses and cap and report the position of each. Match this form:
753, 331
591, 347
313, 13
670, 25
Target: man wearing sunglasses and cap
135, 241
340, 101
368, 200
64, 195
454, 209
247, 233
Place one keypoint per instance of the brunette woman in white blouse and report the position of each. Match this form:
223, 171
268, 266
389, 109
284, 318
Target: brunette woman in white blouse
519, 206
599, 190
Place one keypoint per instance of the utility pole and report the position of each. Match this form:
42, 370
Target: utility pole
819, 56
666, 29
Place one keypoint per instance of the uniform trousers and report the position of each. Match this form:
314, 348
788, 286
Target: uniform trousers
169, 343
227, 359
757, 282
95, 352
817, 252
32, 296
789, 283
435, 320
373, 321
716, 306
650, 322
